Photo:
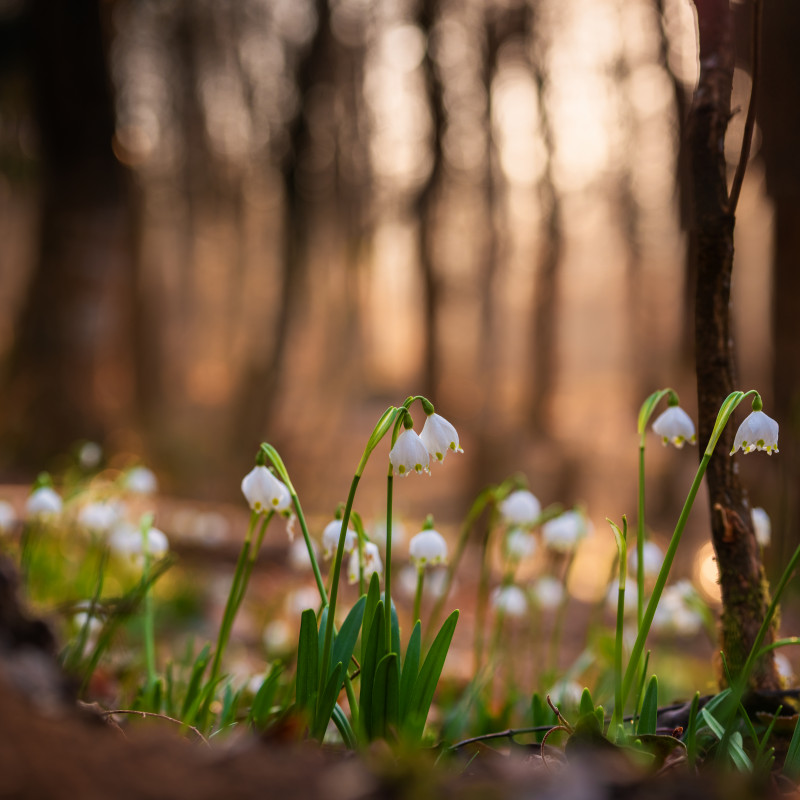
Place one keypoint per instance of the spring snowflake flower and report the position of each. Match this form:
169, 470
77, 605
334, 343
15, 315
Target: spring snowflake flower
564, 532
519, 544
264, 492
127, 542
409, 454
757, 432
548, 592
762, 526
520, 508
372, 563
675, 426
653, 558
330, 539
98, 517
427, 549
141, 480
510, 601
43, 502
439, 437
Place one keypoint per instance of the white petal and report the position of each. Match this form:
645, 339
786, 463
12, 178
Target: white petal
757, 432
675, 426
428, 548
439, 436
520, 508
409, 454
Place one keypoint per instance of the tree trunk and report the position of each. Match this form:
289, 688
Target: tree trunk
744, 589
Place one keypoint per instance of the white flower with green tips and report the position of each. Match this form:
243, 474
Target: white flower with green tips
427, 549
439, 437
330, 539
409, 454
757, 432
43, 502
520, 508
563, 533
372, 563
511, 601
675, 426
264, 492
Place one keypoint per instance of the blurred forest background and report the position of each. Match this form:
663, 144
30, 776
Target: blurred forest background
224, 222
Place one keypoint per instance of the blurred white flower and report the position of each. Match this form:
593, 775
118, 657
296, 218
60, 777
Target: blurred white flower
439, 437
510, 601
409, 454
126, 541
98, 517
548, 592
90, 455
675, 426
785, 669
141, 480
298, 557
427, 549
372, 563
264, 492
278, 638
519, 544
757, 432
330, 539
653, 558
762, 526
676, 612
43, 502
8, 517
301, 599
378, 533
631, 597
520, 508
566, 693
565, 531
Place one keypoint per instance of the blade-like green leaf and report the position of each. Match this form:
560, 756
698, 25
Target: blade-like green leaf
691, 731
372, 653
323, 623
586, 704
737, 753
265, 698
344, 727
410, 670
307, 662
791, 766
425, 685
327, 700
712, 722
395, 632
373, 598
649, 713
542, 715
385, 696
345, 641
192, 690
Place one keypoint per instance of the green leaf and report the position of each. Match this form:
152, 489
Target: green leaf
395, 631
385, 696
737, 753
791, 766
587, 704
327, 701
344, 727
649, 712
410, 670
192, 690
373, 598
345, 641
691, 731
372, 652
428, 678
307, 662
711, 721
265, 698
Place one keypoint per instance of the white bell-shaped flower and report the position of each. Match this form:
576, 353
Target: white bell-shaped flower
675, 426
439, 436
520, 508
427, 549
330, 539
409, 454
372, 563
757, 432
762, 526
519, 544
127, 542
548, 592
43, 502
565, 531
510, 601
264, 492
141, 480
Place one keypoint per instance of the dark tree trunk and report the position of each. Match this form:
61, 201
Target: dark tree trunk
70, 370
744, 592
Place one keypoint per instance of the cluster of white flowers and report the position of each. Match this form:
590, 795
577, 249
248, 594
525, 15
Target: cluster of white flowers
330, 539
129, 543
413, 452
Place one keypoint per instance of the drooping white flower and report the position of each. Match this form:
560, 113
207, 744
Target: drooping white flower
427, 549
652, 558
519, 544
439, 436
330, 539
43, 502
141, 480
372, 563
409, 454
757, 432
548, 592
264, 492
520, 508
564, 532
510, 600
98, 517
126, 541
762, 525
8, 517
299, 558
675, 426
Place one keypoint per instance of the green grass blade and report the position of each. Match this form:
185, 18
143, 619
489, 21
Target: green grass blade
265, 698
327, 701
193, 688
343, 725
648, 715
307, 662
385, 696
373, 598
372, 652
791, 766
691, 732
410, 670
345, 641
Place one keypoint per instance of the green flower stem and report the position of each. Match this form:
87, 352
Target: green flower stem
620, 536
388, 565
337, 569
640, 540
323, 595
250, 562
418, 593
149, 619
